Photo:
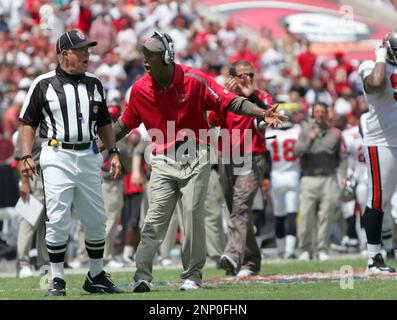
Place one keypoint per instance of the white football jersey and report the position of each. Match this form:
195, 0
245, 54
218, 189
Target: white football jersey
282, 149
354, 148
382, 116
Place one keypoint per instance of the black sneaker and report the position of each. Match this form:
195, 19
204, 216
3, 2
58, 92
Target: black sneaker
141, 286
376, 265
100, 284
58, 288
229, 265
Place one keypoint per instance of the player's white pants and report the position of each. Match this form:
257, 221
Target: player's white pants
394, 206
285, 192
71, 176
347, 208
362, 194
382, 176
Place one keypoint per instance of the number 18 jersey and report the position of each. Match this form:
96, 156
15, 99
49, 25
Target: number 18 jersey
282, 149
381, 122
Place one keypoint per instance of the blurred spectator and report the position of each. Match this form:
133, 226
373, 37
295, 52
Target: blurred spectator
11, 116
84, 19
27, 232
112, 191
317, 93
181, 36
102, 28
340, 74
243, 52
306, 60
134, 182
111, 71
265, 40
343, 104
4, 28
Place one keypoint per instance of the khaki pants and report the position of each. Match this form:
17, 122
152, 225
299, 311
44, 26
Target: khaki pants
170, 180
176, 220
27, 231
318, 201
215, 236
112, 191
239, 191
170, 238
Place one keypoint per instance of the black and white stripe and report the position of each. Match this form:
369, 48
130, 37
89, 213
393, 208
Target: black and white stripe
66, 109
56, 252
95, 248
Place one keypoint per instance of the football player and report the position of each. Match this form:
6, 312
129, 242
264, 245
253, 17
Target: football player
285, 180
380, 144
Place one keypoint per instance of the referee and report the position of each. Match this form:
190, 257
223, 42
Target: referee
69, 106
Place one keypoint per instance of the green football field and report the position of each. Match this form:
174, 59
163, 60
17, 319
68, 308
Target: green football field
336, 280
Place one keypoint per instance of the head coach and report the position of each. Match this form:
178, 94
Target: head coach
172, 92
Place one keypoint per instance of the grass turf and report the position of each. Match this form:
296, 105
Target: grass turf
166, 285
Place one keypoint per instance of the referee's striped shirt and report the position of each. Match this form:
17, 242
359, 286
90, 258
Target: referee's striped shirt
68, 108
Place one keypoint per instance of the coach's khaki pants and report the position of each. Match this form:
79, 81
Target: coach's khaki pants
215, 235
170, 238
170, 180
318, 201
27, 231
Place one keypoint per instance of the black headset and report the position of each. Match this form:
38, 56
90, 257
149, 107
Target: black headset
169, 51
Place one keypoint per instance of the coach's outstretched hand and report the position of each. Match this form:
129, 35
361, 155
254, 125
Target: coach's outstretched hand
272, 118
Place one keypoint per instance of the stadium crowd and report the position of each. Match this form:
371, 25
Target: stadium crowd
286, 67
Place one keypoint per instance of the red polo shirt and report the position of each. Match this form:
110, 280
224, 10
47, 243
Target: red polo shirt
229, 120
185, 102
340, 75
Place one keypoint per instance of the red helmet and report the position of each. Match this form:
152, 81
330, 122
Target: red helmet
114, 111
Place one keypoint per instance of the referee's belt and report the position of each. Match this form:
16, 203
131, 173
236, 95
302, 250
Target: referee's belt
76, 146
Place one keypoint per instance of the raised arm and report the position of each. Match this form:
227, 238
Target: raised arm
376, 80
240, 105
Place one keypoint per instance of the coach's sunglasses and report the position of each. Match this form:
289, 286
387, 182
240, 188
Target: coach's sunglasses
240, 76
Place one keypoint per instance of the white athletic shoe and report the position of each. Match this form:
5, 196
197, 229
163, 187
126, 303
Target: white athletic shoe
246, 273
165, 262
323, 256
75, 264
25, 272
304, 256
190, 285
113, 264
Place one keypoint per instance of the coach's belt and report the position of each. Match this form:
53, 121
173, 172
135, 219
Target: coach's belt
76, 146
